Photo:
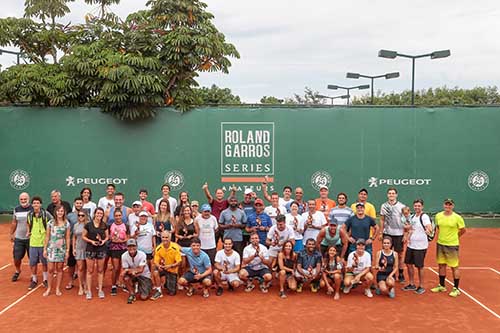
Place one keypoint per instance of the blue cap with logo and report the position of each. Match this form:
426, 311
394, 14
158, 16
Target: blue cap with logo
206, 208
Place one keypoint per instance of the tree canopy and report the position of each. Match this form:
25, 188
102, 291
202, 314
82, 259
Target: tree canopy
127, 67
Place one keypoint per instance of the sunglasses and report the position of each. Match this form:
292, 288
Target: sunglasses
81, 215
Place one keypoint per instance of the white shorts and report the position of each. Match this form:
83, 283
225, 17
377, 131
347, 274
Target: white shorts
229, 277
305, 271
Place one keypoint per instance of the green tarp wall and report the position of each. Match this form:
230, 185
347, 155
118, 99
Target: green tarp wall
430, 153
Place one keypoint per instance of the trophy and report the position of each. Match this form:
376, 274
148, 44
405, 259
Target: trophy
162, 263
295, 223
233, 219
226, 266
383, 263
259, 222
310, 220
195, 270
323, 206
276, 238
355, 260
99, 240
257, 249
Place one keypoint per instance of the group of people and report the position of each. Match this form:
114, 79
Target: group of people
172, 244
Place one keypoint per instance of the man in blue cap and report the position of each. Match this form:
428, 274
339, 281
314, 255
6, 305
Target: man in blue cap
207, 226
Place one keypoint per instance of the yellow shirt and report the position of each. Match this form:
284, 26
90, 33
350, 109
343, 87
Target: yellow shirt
448, 228
171, 255
369, 209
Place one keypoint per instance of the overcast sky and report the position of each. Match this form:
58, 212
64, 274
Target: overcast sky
286, 45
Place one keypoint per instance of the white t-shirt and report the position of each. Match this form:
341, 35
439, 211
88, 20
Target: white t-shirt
290, 221
256, 264
144, 237
207, 231
363, 262
104, 203
132, 219
135, 262
418, 238
171, 201
231, 261
392, 218
282, 236
273, 212
319, 220
282, 202
90, 207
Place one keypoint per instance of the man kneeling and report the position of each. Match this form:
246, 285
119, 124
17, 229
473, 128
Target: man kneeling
227, 266
309, 266
135, 272
255, 262
358, 269
200, 268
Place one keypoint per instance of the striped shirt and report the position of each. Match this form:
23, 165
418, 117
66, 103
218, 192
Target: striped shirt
340, 214
21, 216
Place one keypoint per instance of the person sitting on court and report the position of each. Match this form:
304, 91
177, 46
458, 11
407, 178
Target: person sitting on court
277, 236
309, 266
227, 266
387, 265
287, 263
200, 268
255, 265
333, 271
166, 264
135, 272
358, 268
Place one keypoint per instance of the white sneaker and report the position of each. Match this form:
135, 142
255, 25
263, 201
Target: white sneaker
368, 293
347, 289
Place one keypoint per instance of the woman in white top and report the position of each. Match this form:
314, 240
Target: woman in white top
296, 221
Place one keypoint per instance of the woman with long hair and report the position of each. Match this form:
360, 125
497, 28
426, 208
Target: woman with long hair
95, 234
88, 205
118, 234
79, 247
56, 247
186, 229
163, 220
333, 268
287, 262
183, 202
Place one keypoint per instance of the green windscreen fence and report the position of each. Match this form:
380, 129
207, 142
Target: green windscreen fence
429, 153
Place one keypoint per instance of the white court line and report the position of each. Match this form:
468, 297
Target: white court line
494, 270
470, 296
4, 267
22, 297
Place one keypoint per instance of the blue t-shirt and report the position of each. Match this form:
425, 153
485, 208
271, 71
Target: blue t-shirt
309, 260
73, 219
360, 228
265, 221
227, 217
201, 262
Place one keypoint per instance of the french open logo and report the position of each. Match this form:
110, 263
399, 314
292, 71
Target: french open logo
175, 179
19, 179
320, 178
478, 181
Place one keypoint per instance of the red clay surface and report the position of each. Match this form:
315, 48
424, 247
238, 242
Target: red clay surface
257, 312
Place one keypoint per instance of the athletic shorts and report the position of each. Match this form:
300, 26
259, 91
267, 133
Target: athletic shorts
257, 273
95, 255
415, 257
116, 254
189, 277
170, 282
382, 276
36, 256
447, 255
397, 243
229, 277
144, 285
20, 248
299, 245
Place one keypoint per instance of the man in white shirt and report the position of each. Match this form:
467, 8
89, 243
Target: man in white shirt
133, 218
314, 221
135, 271
358, 267
145, 235
107, 201
207, 226
277, 236
165, 191
275, 209
227, 266
255, 265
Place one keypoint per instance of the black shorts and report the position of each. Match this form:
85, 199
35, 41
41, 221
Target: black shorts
116, 254
21, 248
382, 276
99, 255
415, 257
397, 243
257, 273
189, 277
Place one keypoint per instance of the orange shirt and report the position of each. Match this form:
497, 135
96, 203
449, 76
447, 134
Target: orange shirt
325, 206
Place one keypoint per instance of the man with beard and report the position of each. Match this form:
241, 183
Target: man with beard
232, 221
255, 265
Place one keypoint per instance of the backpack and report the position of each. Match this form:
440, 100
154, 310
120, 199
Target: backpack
43, 215
433, 227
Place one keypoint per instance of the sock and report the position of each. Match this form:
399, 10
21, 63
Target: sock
45, 276
455, 282
158, 288
34, 278
441, 280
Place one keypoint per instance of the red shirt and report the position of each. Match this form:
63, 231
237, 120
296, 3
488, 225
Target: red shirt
148, 206
218, 207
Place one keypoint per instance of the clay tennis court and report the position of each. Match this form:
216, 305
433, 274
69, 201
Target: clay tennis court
476, 310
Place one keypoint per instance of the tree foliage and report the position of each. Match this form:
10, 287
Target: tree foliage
436, 96
126, 67
271, 100
216, 95
309, 97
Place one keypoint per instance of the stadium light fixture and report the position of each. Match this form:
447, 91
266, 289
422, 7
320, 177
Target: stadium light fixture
433, 55
18, 54
348, 89
387, 76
